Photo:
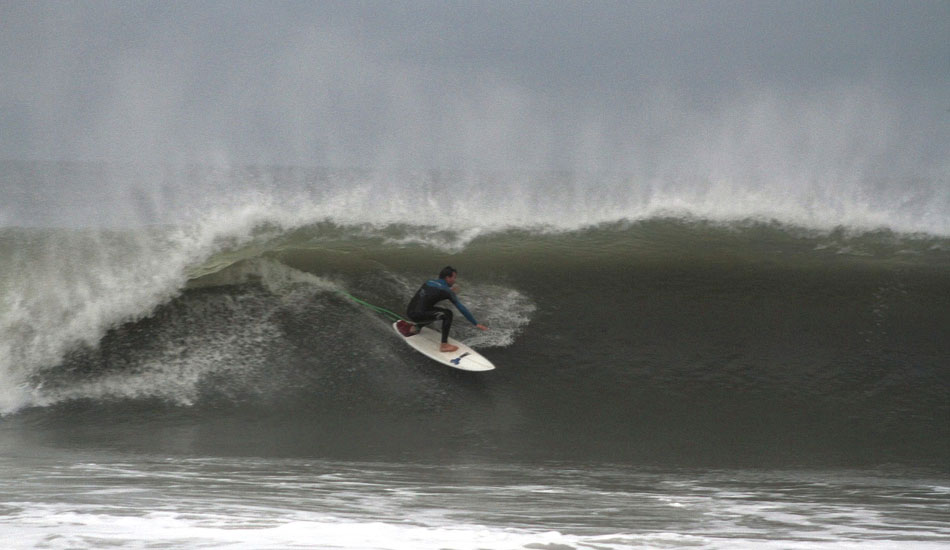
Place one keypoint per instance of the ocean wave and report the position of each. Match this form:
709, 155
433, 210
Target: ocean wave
66, 289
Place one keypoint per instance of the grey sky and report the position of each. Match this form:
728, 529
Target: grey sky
417, 84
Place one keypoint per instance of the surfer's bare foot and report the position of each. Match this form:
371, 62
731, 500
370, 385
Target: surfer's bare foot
448, 347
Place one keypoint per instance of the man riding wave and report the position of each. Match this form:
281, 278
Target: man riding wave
422, 310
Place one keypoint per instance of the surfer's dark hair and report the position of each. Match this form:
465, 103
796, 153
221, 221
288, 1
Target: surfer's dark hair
447, 271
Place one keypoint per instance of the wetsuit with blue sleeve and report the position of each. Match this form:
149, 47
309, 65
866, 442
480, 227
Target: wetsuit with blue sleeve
422, 309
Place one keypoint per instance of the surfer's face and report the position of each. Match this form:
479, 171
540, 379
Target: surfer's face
451, 278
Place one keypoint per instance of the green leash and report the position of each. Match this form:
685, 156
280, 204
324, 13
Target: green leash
383, 311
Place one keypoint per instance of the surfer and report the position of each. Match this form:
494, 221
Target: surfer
422, 310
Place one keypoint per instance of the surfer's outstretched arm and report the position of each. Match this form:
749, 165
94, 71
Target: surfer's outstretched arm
464, 310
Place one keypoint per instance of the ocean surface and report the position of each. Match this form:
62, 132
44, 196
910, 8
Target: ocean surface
678, 365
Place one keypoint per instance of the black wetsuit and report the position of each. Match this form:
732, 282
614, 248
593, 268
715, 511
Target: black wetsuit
422, 310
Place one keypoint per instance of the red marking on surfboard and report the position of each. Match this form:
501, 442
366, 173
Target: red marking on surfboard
405, 329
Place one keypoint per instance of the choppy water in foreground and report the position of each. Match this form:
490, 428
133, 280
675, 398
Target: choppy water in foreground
136, 502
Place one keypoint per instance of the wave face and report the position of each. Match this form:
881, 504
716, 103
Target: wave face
621, 330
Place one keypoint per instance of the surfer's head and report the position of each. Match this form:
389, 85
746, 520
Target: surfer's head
448, 272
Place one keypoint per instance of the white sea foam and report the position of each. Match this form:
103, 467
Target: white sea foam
65, 288
262, 504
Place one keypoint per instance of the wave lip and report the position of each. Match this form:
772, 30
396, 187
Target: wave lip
476, 202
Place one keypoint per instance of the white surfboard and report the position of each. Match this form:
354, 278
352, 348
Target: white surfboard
427, 342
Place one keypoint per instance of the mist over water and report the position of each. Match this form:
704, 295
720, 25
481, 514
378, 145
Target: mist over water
475, 117
650, 91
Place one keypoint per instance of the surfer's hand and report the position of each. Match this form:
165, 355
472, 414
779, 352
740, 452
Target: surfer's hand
455, 288
481, 326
